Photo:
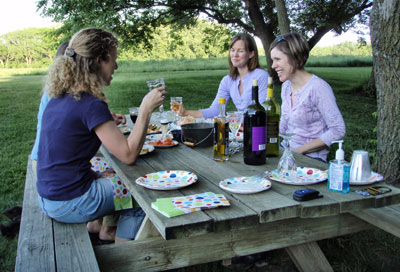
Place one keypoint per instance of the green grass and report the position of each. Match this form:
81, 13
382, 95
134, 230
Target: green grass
19, 100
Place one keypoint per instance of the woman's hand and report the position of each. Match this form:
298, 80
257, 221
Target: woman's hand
119, 118
154, 99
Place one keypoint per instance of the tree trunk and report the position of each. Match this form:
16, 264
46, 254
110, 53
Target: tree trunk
385, 40
283, 18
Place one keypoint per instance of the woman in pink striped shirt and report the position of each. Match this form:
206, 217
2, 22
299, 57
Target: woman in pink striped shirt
309, 108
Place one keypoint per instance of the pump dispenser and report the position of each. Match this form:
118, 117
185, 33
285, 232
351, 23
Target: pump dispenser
339, 172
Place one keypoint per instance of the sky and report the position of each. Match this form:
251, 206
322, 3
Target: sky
20, 14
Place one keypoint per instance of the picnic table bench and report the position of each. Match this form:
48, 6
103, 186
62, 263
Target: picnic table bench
47, 245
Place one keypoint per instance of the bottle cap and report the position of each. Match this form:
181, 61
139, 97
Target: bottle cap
221, 100
269, 80
255, 83
340, 151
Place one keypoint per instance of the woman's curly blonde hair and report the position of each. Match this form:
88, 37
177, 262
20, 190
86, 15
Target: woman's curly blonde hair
81, 72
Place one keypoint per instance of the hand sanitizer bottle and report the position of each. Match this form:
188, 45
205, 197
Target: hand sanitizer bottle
339, 172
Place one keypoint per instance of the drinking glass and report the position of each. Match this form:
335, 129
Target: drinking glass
287, 167
235, 120
133, 113
176, 103
155, 83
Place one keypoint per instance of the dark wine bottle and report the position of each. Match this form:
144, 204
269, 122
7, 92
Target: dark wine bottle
255, 120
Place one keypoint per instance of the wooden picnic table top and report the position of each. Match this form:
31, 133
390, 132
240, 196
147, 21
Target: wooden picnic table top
246, 211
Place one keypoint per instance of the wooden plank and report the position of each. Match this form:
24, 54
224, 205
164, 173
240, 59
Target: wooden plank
169, 228
309, 258
146, 230
269, 205
237, 216
386, 218
156, 254
74, 251
35, 242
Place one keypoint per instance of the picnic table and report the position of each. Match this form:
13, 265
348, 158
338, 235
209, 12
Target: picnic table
253, 223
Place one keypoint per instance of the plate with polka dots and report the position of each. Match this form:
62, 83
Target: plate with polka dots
305, 176
167, 180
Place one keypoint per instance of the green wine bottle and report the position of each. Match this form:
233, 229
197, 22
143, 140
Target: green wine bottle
273, 114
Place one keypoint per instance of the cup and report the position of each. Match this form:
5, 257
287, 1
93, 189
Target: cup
133, 113
360, 169
155, 83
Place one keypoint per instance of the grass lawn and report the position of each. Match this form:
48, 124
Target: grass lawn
19, 99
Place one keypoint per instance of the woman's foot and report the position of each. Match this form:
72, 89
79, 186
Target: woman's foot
107, 233
94, 226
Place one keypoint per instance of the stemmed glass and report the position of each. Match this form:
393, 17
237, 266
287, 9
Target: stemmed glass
152, 84
235, 120
287, 168
176, 103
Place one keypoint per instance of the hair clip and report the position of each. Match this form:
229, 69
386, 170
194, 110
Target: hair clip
280, 38
69, 52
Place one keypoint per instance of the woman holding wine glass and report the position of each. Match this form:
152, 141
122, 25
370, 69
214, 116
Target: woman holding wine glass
309, 108
244, 66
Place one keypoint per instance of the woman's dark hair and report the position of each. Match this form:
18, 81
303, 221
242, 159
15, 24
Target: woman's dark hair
295, 47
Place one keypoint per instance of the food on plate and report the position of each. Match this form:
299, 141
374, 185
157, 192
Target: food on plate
165, 142
153, 128
186, 120
124, 129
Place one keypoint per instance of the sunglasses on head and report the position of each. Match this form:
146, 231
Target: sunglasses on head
280, 38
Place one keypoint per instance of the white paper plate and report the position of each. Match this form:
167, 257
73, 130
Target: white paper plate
305, 176
146, 149
375, 177
245, 185
167, 180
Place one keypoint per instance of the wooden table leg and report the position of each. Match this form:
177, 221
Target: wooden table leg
146, 230
309, 257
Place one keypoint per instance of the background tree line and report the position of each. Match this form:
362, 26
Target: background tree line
36, 47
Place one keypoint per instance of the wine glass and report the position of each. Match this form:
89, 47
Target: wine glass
155, 83
287, 168
235, 120
176, 103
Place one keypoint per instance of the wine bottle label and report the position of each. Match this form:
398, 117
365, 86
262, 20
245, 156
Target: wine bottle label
273, 140
258, 138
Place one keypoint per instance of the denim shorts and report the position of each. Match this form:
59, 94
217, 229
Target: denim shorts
97, 202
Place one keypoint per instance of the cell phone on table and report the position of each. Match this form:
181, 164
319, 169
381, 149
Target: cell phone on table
306, 194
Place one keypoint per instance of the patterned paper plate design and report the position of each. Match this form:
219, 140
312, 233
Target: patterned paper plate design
146, 149
375, 177
305, 176
245, 185
167, 180
239, 136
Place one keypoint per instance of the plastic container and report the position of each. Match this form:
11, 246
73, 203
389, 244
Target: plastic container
339, 172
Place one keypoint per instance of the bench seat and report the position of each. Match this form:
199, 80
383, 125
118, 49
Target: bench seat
47, 245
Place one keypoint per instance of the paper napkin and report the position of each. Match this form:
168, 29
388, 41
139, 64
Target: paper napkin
174, 206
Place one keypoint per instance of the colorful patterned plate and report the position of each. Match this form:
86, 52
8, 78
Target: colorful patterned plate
146, 149
305, 176
167, 180
245, 185
239, 136
375, 177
